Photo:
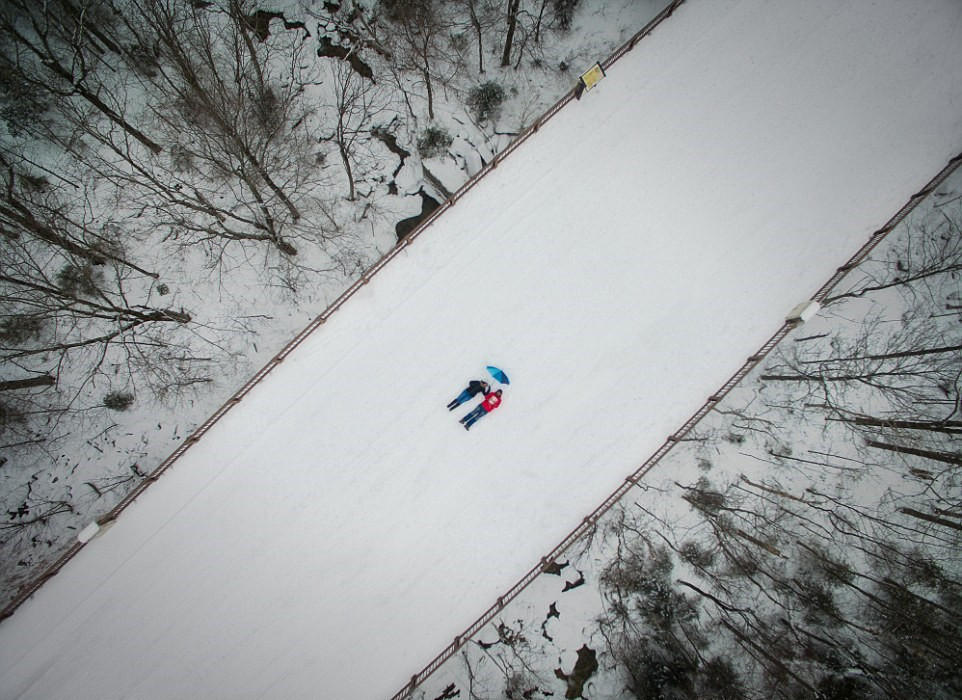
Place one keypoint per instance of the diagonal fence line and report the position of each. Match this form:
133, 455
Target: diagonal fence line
589, 522
31, 587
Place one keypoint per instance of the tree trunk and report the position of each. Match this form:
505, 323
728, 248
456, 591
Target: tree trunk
430, 89
352, 194
509, 37
95, 310
951, 427
476, 23
901, 281
537, 26
947, 457
19, 215
819, 379
93, 99
14, 384
930, 518
890, 355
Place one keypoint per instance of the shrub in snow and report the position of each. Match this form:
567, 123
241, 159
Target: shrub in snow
844, 688
33, 183
24, 105
818, 602
460, 42
485, 100
519, 684
118, 400
411, 11
18, 329
143, 60
735, 438
181, 159
268, 110
657, 668
719, 679
564, 11
644, 578
10, 415
696, 555
434, 142
78, 280
704, 498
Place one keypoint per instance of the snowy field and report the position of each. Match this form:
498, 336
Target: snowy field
339, 527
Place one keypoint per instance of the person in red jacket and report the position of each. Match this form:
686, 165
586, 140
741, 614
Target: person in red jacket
491, 401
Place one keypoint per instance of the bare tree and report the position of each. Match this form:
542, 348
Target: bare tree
231, 118
420, 38
357, 102
70, 295
482, 16
56, 49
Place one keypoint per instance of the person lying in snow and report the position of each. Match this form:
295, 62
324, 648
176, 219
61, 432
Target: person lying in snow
475, 387
491, 402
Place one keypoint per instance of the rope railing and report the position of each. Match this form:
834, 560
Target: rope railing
589, 522
31, 587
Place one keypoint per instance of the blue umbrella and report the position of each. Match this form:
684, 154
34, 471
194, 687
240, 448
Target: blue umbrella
498, 374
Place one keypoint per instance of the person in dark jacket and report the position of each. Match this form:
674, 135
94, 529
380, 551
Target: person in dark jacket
475, 387
491, 402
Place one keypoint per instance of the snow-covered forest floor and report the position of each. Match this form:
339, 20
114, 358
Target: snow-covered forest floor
804, 541
146, 308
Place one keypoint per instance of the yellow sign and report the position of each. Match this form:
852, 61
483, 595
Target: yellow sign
592, 76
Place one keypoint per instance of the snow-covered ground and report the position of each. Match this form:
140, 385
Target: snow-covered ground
339, 527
